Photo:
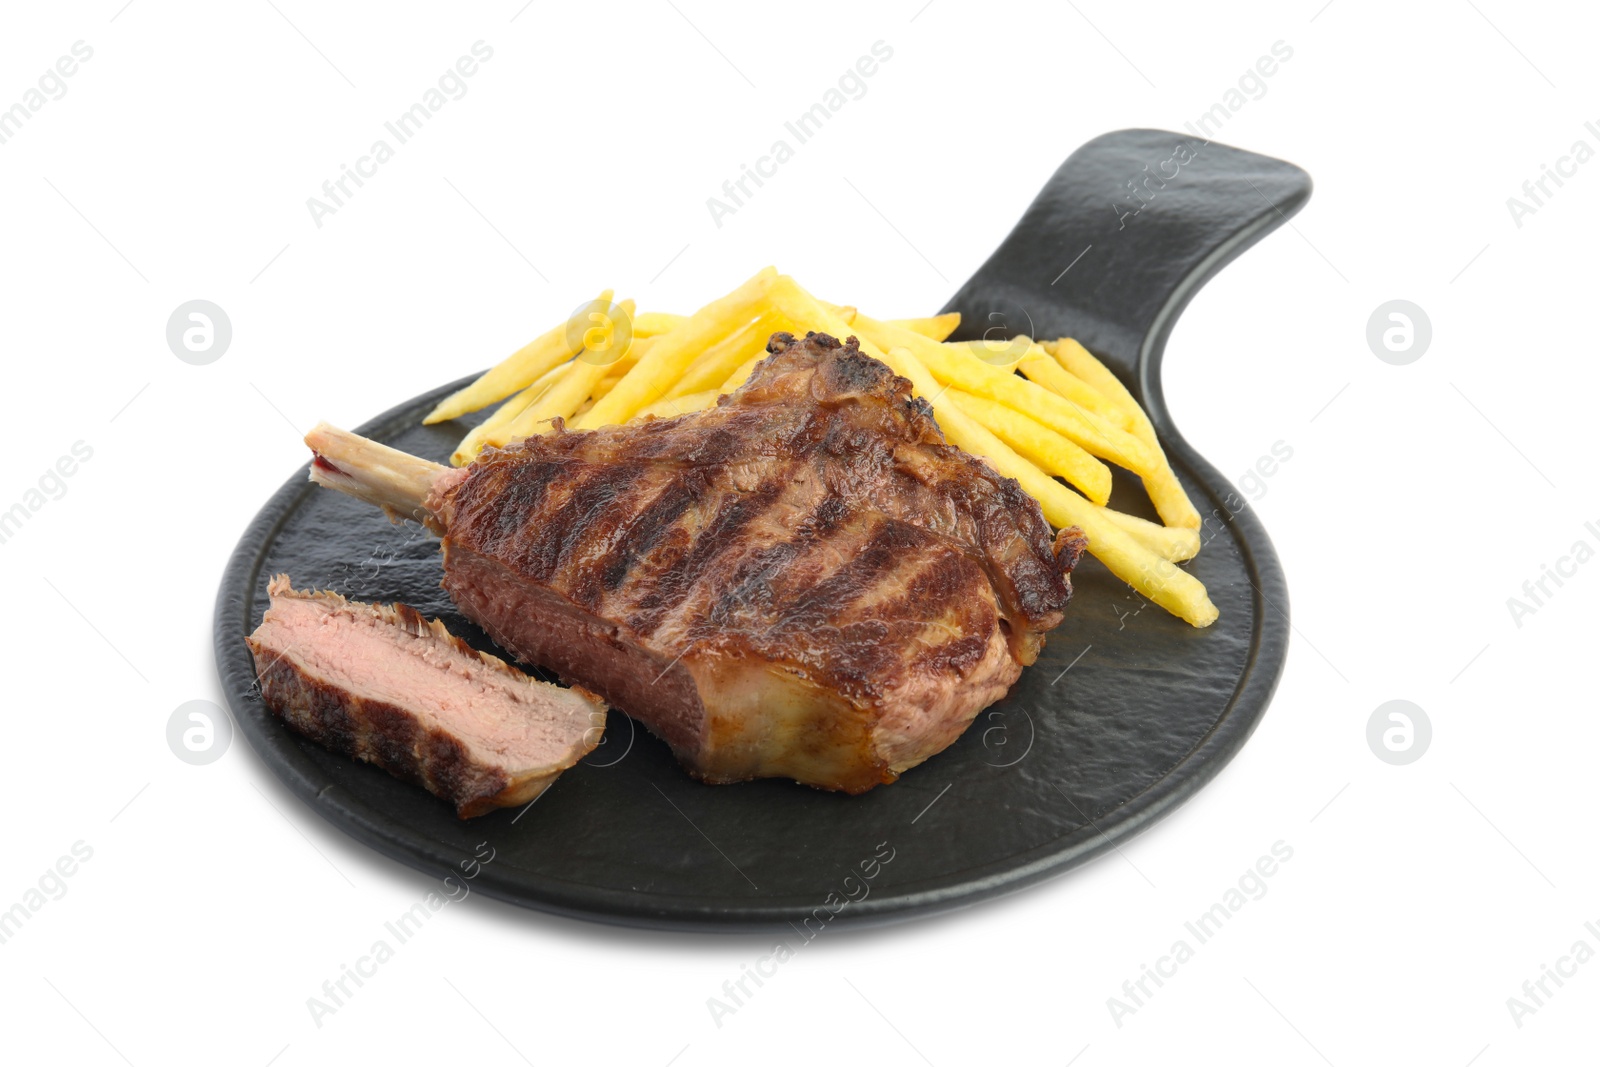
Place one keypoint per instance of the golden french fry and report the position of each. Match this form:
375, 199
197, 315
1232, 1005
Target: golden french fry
624, 363
496, 429
712, 367
957, 366
1039, 444
1038, 366
1176, 543
937, 327
561, 400
810, 314
531, 410
524, 366
655, 323
614, 373
669, 407
673, 352
1166, 492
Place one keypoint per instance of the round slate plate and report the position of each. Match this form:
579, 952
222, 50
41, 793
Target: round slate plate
1126, 714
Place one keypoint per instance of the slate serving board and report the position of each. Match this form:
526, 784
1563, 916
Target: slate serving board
1127, 714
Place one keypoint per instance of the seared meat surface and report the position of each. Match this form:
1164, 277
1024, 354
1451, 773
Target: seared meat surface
384, 685
805, 581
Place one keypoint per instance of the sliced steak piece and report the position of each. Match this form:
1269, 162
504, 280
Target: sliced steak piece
384, 685
804, 581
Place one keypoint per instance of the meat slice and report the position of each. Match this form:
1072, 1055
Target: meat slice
384, 685
805, 581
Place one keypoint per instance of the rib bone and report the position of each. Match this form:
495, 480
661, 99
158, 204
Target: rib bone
395, 481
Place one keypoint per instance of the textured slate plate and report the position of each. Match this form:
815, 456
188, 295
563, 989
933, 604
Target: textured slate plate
1128, 712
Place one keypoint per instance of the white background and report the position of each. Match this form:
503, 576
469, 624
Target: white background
1418, 499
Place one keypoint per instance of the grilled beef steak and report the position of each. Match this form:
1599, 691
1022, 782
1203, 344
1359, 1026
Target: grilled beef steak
804, 581
386, 686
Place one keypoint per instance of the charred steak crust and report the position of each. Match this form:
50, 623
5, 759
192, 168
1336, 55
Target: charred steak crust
802, 581
394, 735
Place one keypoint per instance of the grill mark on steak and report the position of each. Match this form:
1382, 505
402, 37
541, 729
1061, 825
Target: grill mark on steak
649, 527
874, 604
711, 449
748, 592
872, 557
737, 512
594, 518
507, 503
959, 654
951, 638
971, 619
824, 519
546, 545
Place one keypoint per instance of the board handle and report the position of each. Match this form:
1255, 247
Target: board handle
1120, 239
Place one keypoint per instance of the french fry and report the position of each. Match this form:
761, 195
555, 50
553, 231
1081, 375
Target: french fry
956, 366
718, 361
1175, 543
655, 323
937, 327
1166, 493
624, 363
673, 352
531, 410
523, 367
670, 407
807, 313
1039, 367
615, 371
496, 429
561, 400
1039, 444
